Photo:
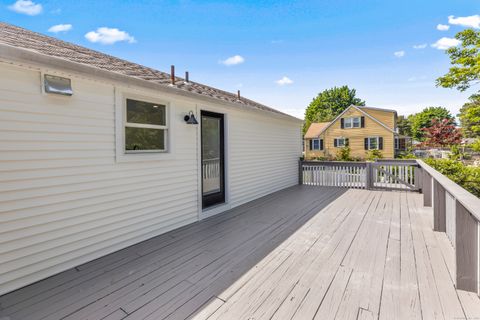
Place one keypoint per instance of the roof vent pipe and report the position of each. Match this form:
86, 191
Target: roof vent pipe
238, 94
187, 80
172, 74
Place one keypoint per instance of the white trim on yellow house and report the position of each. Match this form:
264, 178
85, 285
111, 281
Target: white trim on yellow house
363, 112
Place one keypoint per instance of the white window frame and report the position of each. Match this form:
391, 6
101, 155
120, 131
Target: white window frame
147, 126
122, 155
344, 142
313, 144
377, 143
350, 121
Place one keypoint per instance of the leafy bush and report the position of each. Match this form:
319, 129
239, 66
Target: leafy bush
374, 154
466, 176
455, 153
406, 155
344, 154
476, 145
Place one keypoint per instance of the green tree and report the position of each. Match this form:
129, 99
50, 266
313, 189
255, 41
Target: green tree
470, 117
330, 103
424, 119
465, 60
404, 126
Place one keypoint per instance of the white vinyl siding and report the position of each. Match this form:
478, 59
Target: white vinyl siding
260, 158
66, 199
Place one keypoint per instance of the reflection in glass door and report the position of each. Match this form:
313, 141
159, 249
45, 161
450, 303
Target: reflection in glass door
213, 180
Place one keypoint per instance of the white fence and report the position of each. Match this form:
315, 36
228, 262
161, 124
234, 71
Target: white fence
395, 175
349, 175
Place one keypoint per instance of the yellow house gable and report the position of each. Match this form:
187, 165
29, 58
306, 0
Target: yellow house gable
355, 134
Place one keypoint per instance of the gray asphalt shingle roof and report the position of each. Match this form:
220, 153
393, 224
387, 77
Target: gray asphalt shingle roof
26, 39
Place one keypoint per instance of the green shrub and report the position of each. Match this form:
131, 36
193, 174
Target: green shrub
373, 155
476, 145
344, 154
406, 155
466, 176
455, 152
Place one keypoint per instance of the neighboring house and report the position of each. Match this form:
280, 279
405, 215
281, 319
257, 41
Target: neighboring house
361, 128
98, 153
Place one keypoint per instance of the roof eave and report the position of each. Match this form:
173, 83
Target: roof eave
13, 54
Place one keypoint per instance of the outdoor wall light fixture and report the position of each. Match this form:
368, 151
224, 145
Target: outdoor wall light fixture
190, 118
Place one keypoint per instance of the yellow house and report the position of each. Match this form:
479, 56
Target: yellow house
361, 128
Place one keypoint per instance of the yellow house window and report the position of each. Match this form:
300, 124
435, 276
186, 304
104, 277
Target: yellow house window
316, 144
372, 143
340, 142
352, 122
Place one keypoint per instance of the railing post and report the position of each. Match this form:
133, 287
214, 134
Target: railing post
369, 176
418, 175
466, 249
300, 172
427, 189
439, 209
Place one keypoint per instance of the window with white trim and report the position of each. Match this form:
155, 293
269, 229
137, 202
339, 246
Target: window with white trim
146, 126
372, 143
341, 142
316, 144
353, 122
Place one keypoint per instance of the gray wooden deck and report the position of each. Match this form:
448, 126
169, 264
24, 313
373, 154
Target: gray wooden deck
301, 253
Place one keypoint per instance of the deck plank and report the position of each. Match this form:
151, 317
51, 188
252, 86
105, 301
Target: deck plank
409, 288
300, 253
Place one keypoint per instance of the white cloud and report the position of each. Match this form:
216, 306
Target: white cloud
284, 81
470, 21
234, 60
106, 35
443, 27
26, 7
60, 28
399, 54
445, 43
420, 46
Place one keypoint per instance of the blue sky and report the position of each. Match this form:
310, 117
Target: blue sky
281, 53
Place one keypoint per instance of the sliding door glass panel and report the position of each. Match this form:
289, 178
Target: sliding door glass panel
211, 155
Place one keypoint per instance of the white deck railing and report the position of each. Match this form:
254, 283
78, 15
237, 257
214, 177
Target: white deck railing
457, 213
455, 210
211, 168
398, 175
